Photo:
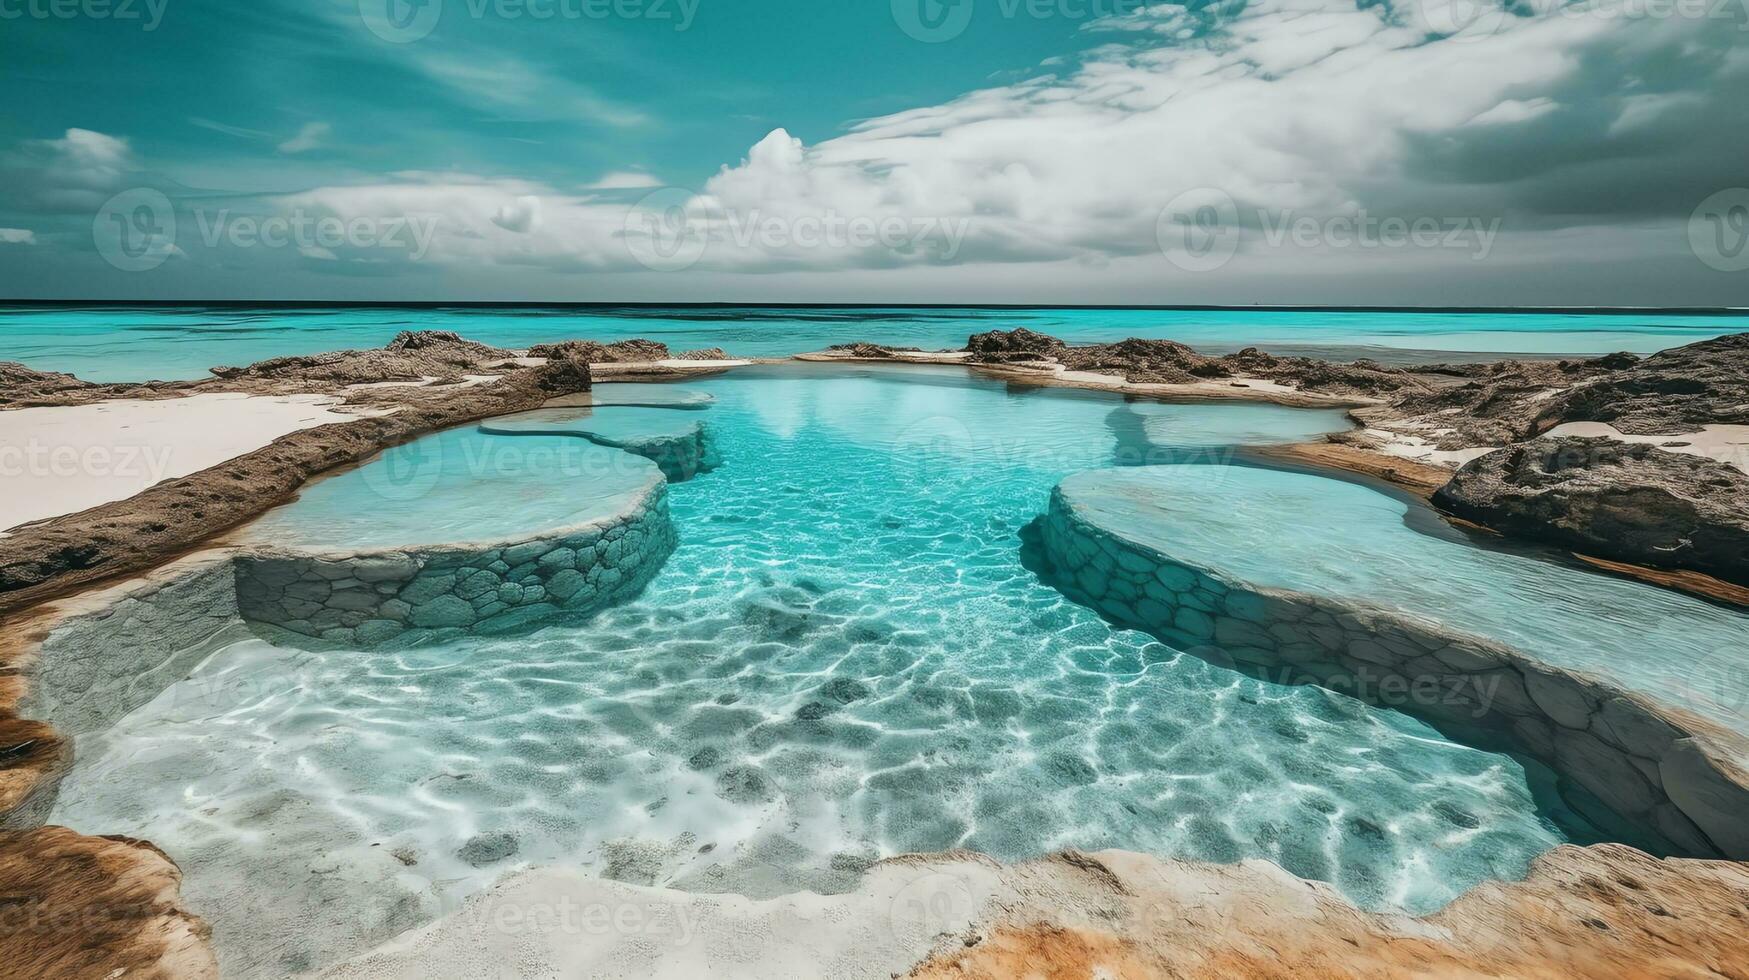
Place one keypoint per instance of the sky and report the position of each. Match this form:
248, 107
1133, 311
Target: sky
1278, 152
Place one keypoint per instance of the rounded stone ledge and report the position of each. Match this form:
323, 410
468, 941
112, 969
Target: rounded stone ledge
627, 394
434, 593
681, 447
1667, 772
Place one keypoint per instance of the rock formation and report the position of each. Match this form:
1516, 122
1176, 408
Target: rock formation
78, 907
412, 356
1169, 362
1629, 502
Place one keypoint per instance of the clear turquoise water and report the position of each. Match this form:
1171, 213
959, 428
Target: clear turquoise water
615, 424
459, 487
119, 344
844, 659
1312, 534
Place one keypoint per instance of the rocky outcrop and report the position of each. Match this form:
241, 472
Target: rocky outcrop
1490, 404
618, 352
871, 351
1145, 362
412, 356
1623, 501
566, 375
1140, 361
1019, 344
75, 907
703, 354
1662, 770
1364, 378
1671, 392
20, 386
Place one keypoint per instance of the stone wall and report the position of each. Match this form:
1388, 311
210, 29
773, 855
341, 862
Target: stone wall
1665, 772
680, 456
404, 598
96, 667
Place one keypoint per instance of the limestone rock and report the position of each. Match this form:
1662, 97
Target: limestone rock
1628, 502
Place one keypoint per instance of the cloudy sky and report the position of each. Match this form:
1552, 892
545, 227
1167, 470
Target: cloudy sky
1425, 152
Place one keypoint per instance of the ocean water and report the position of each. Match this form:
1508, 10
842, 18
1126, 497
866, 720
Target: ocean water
845, 659
173, 343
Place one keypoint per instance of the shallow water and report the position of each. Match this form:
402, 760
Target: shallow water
844, 659
1312, 534
139, 344
458, 487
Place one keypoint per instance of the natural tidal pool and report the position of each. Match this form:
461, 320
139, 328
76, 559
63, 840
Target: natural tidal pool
1307, 533
844, 659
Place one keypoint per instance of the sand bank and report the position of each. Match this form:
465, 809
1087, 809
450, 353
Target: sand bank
65, 459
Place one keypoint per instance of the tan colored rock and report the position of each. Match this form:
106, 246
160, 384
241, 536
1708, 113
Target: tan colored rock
1717, 802
79, 907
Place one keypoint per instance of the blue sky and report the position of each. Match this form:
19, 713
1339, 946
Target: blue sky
1438, 151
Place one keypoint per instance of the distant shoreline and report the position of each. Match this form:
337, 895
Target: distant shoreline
598, 305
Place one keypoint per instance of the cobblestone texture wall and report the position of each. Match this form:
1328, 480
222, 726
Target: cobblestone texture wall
1661, 771
404, 598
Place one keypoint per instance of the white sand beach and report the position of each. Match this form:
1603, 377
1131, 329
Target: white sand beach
64, 459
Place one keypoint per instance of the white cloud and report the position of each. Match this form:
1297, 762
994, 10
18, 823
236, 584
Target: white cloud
17, 236
621, 180
1563, 127
309, 136
521, 215
514, 89
73, 174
